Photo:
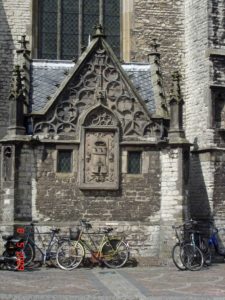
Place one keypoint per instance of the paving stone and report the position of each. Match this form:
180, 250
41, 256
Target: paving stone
102, 283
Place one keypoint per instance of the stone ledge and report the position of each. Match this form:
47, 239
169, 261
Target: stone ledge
214, 52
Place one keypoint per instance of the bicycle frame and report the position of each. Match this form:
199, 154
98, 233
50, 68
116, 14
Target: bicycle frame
44, 253
94, 248
213, 241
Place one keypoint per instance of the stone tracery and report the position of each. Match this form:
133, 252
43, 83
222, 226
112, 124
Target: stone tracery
98, 80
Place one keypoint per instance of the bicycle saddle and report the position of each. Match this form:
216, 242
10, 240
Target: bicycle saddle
7, 237
11, 238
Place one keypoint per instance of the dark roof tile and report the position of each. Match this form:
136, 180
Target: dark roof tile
47, 75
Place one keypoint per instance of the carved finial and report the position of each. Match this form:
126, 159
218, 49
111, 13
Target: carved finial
16, 86
176, 133
155, 45
23, 42
16, 104
23, 45
176, 76
98, 31
154, 53
176, 90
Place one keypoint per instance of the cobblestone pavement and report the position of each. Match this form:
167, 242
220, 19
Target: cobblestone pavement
102, 283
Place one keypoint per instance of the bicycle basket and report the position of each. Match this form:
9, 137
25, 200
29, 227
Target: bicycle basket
74, 233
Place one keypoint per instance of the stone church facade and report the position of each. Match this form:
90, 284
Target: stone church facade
131, 136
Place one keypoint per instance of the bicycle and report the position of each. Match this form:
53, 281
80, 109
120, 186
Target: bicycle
12, 256
212, 244
176, 250
48, 252
185, 253
113, 251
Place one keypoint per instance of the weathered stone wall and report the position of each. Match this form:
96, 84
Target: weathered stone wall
15, 20
162, 20
202, 185
135, 207
60, 198
219, 188
197, 102
173, 204
25, 171
8, 175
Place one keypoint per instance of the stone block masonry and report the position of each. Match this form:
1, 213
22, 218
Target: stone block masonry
162, 20
197, 104
173, 210
134, 208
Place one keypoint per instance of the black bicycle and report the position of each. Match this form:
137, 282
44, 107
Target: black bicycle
46, 252
186, 253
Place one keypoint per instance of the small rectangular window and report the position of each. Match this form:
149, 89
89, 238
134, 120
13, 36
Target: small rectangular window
64, 161
134, 162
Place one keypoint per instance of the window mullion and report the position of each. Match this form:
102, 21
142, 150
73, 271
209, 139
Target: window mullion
59, 29
80, 29
101, 12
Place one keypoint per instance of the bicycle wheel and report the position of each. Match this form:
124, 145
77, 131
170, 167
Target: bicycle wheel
176, 252
28, 254
70, 255
52, 254
192, 257
206, 251
115, 253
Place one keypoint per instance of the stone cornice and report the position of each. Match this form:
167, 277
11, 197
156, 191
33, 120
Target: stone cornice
208, 149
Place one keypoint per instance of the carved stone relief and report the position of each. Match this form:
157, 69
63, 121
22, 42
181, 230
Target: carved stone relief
97, 81
99, 150
99, 157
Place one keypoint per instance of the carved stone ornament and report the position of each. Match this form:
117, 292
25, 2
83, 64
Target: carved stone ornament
97, 81
7, 163
99, 151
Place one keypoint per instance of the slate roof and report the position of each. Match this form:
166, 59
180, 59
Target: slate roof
46, 75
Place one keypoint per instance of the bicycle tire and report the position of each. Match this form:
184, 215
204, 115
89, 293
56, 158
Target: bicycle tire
115, 253
28, 254
52, 254
70, 255
206, 251
192, 257
176, 256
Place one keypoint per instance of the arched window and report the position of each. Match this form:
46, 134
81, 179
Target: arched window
65, 26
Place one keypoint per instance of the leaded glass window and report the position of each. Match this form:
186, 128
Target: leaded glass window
134, 162
65, 26
64, 161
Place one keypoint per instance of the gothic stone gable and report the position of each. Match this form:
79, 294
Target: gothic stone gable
96, 79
